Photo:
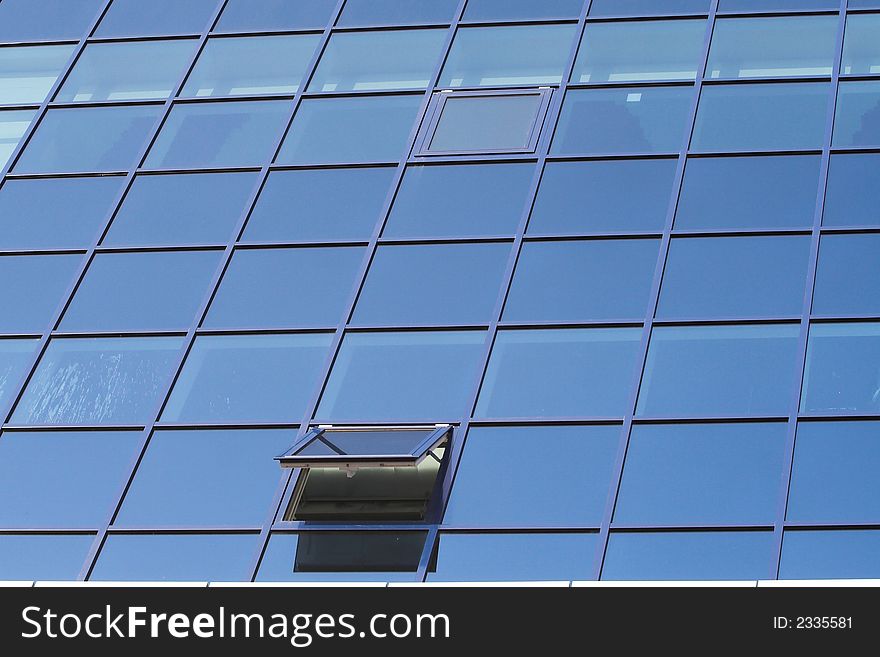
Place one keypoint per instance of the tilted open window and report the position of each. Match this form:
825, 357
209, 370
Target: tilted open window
365, 473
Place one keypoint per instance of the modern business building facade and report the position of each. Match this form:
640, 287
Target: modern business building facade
628, 250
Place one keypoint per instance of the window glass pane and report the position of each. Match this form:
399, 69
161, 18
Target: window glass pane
397, 12
411, 285
623, 120
44, 20
857, 120
218, 134
746, 117
181, 209
342, 556
861, 48
251, 65
702, 474
127, 71
273, 15
485, 10
852, 196
727, 277
13, 125
772, 47
769, 5
137, 18
62, 478
403, 376
368, 129
261, 378
847, 274
689, 556
834, 478
758, 192
27, 74
88, 139
59, 213
15, 357
636, 51
32, 289
534, 476
141, 291
370, 61
98, 381
719, 371
42, 557
514, 557
842, 375
647, 7
176, 557
460, 200
485, 123
582, 280
596, 196
205, 478
512, 55
284, 288
840, 554
319, 205
562, 372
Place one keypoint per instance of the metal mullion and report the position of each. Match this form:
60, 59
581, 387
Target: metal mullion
617, 476
788, 461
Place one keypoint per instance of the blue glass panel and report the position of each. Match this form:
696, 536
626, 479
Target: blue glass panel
403, 376
13, 125
331, 204
127, 70
88, 139
460, 200
397, 12
842, 375
414, 284
176, 558
371, 61
62, 478
689, 556
857, 120
758, 192
98, 381
846, 280
486, 123
562, 372
285, 288
251, 65
852, 196
702, 474
621, 120
273, 15
861, 49
218, 134
647, 7
534, 476
727, 277
44, 20
32, 289
205, 478
636, 51
514, 557
582, 280
368, 129
58, 213
596, 196
137, 18
141, 291
28, 73
263, 378
43, 557
834, 478
15, 356
837, 554
486, 10
758, 117
181, 209
511, 55
720, 371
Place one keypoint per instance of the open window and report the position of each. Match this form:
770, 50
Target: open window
365, 473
